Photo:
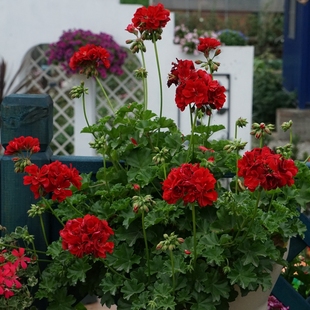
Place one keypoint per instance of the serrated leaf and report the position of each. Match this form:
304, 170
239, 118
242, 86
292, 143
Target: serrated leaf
54, 249
62, 301
214, 255
123, 258
140, 158
242, 275
77, 270
132, 287
111, 283
203, 301
217, 287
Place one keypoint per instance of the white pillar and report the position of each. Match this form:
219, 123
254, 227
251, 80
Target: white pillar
81, 140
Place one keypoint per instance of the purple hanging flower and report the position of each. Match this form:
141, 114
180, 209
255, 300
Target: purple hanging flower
275, 304
70, 41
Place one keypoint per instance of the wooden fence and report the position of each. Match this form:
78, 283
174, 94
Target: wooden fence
32, 115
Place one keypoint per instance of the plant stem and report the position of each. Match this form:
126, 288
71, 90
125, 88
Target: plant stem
194, 233
172, 269
113, 270
190, 150
146, 248
159, 77
74, 208
144, 81
51, 209
105, 94
26, 248
43, 229
35, 251
85, 115
236, 172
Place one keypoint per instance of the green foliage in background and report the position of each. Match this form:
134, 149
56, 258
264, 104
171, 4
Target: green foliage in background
232, 37
268, 92
142, 2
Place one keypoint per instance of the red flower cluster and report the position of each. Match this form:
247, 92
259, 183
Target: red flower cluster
190, 183
151, 18
207, 44
55, 178
87, 235
195, 86
262, 167
9, 280
22, 144
88, 58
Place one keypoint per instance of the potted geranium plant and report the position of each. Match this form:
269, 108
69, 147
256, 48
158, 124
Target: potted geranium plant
171, 221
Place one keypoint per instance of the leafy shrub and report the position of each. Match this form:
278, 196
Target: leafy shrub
232, 37
268, 92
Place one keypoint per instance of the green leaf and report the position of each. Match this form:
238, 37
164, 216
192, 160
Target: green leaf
62, 301
203, 301
123, 258
217, 287
130, 235
179, 265
77, 271
252, 252
140, 158
242, 275
111, 283
54, 249
132, 287
214, 255
80, 306
157, 263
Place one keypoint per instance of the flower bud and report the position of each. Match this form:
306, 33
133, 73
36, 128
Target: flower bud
159, 246
187, 252
136, 187
258, 135
255, 126
241, 122
287, 125
217, 52
180, 240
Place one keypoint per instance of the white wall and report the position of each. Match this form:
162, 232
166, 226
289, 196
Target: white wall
26, 23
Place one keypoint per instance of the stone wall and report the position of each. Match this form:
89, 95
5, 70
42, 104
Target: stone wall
301, 123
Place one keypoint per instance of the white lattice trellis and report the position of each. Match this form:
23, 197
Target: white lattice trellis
52, 80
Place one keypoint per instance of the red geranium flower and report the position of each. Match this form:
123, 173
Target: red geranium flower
88, 58
21, 259
190, 183
208, 44
216, 95
55, 178
180, 72
87, 235
8, 279
262, 167
22, 144
195, 86
152, 18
